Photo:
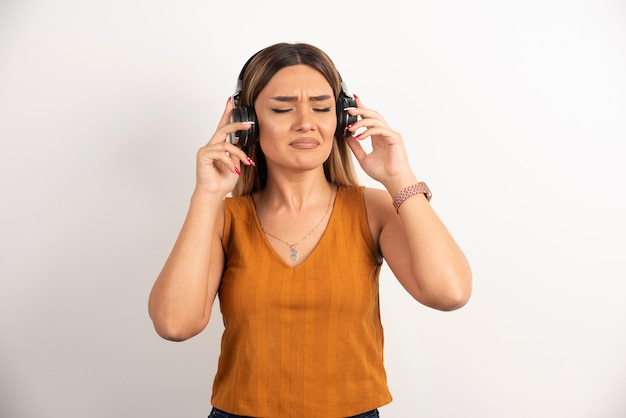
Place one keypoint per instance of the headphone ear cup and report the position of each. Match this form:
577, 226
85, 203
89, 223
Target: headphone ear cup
244, 138
344, 119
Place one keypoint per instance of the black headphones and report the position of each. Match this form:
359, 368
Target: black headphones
247, 138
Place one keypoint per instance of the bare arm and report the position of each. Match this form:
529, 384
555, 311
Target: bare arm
420, 251
417, 246
182, 297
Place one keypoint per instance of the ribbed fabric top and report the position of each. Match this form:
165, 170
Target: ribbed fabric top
302, 341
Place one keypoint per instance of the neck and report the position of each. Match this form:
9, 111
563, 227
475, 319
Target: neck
296, 193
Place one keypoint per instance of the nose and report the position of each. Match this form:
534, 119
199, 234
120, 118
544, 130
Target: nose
304, 119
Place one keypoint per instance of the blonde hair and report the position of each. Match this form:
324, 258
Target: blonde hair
338, 168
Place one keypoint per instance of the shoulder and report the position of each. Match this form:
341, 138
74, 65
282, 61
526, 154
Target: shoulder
244, 205
353, 197
371, 197
233, 209
379, 207
377, 201
237, 203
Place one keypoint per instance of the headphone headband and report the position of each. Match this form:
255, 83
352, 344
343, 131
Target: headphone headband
239, 84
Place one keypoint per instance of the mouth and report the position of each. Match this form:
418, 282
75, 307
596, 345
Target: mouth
305, 143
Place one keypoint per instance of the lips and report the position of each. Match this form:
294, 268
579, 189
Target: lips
305, 143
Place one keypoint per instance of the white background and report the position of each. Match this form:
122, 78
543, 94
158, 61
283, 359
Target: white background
513, 112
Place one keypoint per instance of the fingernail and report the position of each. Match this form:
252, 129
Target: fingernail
350, 126
355, 96
357, 136
252, 163
229, 99
345, 109
237, 171
248, 122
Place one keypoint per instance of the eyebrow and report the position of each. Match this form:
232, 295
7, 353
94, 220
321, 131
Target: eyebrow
294, 98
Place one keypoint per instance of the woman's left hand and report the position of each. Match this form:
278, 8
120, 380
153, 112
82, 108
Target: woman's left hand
387, 162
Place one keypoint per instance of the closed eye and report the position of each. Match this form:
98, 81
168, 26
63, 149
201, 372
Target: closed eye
322, 109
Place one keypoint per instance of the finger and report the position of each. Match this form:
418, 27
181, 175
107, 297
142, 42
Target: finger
221, 160
222, 133
228, 150
224, 120
228, 109
364, 112
363, 128
380, 131
356, 148
358, 101
367, 118
237, 155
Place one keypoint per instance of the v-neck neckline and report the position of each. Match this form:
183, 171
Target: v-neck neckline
274, 252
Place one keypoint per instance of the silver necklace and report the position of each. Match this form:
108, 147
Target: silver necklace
293, 253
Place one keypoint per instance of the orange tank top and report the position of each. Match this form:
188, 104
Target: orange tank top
303, 341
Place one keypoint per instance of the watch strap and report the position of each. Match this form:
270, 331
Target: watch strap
412, 190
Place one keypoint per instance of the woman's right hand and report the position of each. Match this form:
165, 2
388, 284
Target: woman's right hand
218, 162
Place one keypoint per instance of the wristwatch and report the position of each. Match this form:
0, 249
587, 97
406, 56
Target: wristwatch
409, 191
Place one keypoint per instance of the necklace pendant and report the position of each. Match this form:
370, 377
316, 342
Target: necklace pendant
293, 254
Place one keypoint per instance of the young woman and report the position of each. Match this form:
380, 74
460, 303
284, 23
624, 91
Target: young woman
294, 253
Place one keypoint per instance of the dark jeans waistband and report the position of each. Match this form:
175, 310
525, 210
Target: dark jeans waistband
216, 413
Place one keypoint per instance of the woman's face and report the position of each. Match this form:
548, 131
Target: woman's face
297, 118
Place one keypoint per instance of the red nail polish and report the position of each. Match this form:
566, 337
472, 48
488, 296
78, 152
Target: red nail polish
237, 171
357, 136
350, 126
229, 99
355, 96
252, 163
